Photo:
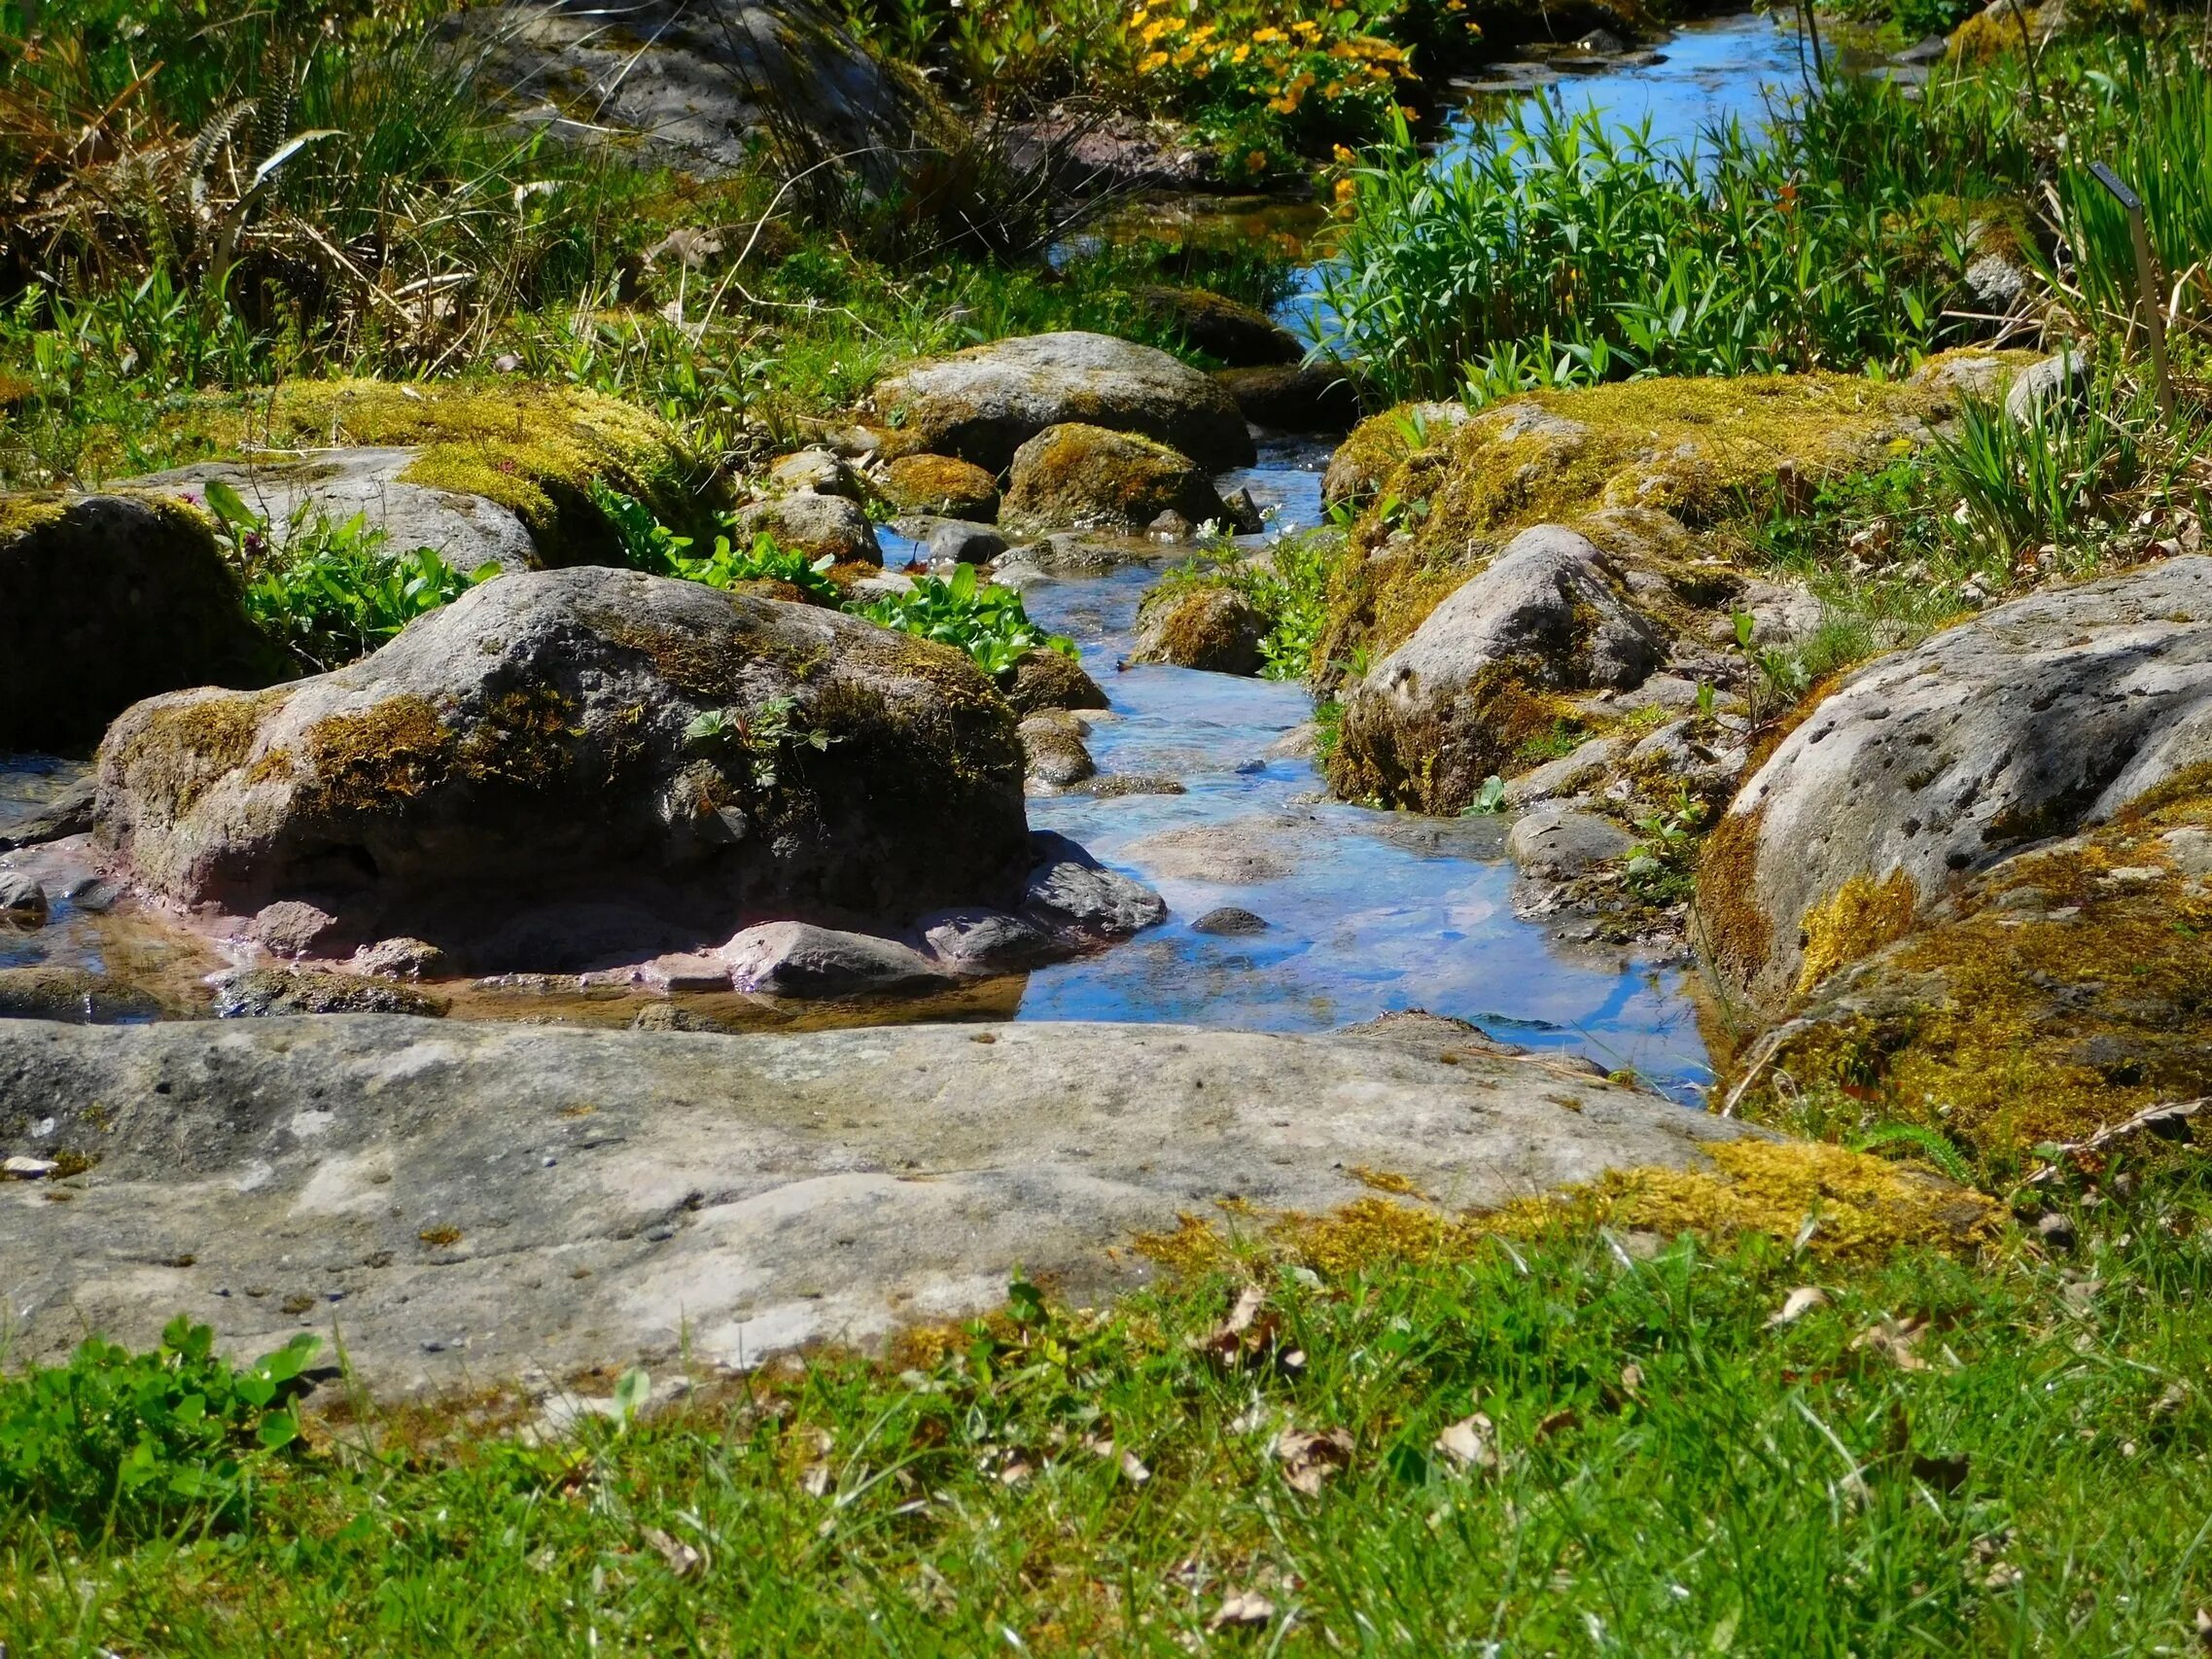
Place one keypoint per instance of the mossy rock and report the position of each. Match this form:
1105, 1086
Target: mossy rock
112, 599
534, 450
943, 485
1379, 444
1228, 331
1087, 477
1214, 626
564, 765
2060, 993
1043, 680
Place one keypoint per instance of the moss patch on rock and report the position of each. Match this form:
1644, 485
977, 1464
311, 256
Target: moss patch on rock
941, 484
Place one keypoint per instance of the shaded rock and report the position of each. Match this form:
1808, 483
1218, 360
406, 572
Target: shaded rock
400, 959
941, 484
2046, 387
1211, 627
111, 599
1570, 774
963, 543
1056, 756
2019, 723
1455, 704
819, 526
1997, 282
1298, 397
1069, 890
1560, 842
72, 995
22, 900
641, 1196
696, 85
467, 531
1088, 477
987, 941
1230, 921
1226, 330
797, 960
1122, 784
1047, 679
259, 993
816, 471
586, 737
290, 928
67, 813
1087, 154
675, 1016
983, 403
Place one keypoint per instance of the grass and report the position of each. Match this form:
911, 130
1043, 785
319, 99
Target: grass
1554, 1447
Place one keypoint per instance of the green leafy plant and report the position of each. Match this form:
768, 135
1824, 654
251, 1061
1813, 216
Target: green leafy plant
1662, 868
647, 543
1489, 800
982, 619
330, 593
129, 1444
759, 738
762, 561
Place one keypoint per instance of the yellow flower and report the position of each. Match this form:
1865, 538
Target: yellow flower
1203, 31
1263, 36
1150, 62
1344, 158
1242, 52
1152, 31
1306, 26
1346, 189
1256, 161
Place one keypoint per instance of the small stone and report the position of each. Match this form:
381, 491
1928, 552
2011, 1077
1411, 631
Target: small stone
1169, 525
815, 471
27, 1168
687, 972
2055, 1229
290, 928
963, 542
22, 900
398, 959
1229, 919
94, 896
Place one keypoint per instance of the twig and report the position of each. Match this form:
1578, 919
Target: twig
2151, 1117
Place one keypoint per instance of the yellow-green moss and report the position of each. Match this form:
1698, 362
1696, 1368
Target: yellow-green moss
1861, 1207
1856, 920
20, 514
375, 759
940, 484
2022, 1019
1737, 933
176, 751
1437, 764
1077, 474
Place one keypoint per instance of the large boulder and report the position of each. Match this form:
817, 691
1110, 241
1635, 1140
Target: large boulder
109, 599
1300, 397
699, 83
941, 484
1479, 678
983, 403
1087, 477
1217, 628
2024, 722
581, 763
1226, 330
1046, 679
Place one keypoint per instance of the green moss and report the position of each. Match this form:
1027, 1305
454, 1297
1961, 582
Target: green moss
1073, 473
174, 753
940, 484
1856, 920
20, 514
1738, 936
1438, 764
377, 760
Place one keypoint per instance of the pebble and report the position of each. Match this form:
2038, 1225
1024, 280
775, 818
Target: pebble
1229, 919
28, 1169
21, 900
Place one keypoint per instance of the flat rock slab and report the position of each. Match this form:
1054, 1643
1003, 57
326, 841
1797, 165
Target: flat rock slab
478, 1204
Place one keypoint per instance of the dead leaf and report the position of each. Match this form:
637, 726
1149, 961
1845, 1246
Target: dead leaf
1014, 1473
816, 1481
682, 1560
1797, 1304
1467, 1442
1631, 1382
1559, 1421
1309, 1460
1894, 1341
1132, 1466
1245, 1608
2204, 1630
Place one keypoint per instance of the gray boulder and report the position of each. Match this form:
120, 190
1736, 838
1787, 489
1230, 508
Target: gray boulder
1455, 703
1218, 628
975, 941
2021, 723
1562, 842
111, 598
963, 543
819, 526
983, 403
1297, 397
1070, 892
1047, 679
663, 759
2045, 388
1088, 477
467, 531
941, 484
1226, 330
815, 471
795, 959
608, 1197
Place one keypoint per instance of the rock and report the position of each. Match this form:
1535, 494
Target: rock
1088, 154
1230, 921
1243, 852
467, 531
806, 1188
1046, 679
1560, 842
557, 748
20, 1168
1930, 50
2019, 723
686, 973
1069, 890
1570, 774
1302, 742
1069, 554
983, 403
1379, 445
797, 960
1227, 331
975, 941
73, 995
1123, 784
1218, 628
1997, 282
1088, 477
1056, 756
674, 1016
815, 471
2002, 26
22, 900
1244, 512
819, 526
113, 598
941, 484
963, 543
696, 87
1454, 704
290, 928
2055, 1229
69, 812
259, 993
2047, 387
1297, 397
400, 959
879, 584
